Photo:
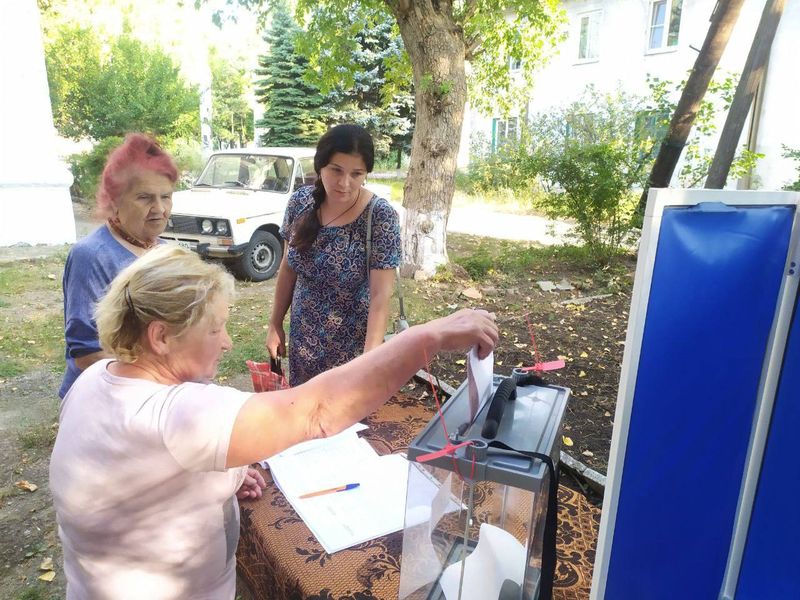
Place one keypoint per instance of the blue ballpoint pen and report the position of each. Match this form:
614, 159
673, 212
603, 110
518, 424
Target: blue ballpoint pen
333, 490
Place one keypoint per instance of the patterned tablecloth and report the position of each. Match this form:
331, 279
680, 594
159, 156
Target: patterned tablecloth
280, 559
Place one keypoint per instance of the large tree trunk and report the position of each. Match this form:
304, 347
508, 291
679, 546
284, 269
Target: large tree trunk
436, 47
722, 21
752, 75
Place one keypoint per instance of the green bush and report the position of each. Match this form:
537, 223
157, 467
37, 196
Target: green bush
387, 162
593, 156
500, 176
697, 155
495, 169
88, 166
477, 264
795, 155
188, 157
596, 191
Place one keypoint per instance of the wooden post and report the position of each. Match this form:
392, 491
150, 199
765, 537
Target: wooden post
752, 76
723, 20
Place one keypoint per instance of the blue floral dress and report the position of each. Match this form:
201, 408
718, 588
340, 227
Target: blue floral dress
330, 305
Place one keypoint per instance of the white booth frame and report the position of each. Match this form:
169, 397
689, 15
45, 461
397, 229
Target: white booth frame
658, 200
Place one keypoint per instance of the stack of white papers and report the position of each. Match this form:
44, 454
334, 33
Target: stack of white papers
343, 519
348, 433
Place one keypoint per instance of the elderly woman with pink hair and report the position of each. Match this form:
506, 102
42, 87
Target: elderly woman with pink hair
135, 196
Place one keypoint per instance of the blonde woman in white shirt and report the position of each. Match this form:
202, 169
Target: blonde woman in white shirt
150, 454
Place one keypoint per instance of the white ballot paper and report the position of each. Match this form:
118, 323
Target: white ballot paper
479, 380
428, 501
497, 557
350, 432
340, 520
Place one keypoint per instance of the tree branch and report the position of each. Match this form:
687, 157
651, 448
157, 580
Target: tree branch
399, 7
445, 7
470, 6
473, 47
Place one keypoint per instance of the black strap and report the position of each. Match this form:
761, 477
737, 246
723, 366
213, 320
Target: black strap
275, 365
550, 524
370, 208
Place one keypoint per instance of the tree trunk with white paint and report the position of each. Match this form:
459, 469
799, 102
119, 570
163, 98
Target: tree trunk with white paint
435, 44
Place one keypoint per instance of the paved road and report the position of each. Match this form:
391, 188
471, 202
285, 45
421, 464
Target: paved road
480, 220
473, 220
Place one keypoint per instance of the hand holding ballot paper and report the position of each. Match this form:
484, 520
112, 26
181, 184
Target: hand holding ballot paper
312, 474
479, 381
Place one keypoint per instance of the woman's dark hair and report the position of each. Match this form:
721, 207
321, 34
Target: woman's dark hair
347, 139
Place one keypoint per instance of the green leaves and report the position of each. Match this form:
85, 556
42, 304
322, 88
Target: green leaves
499, 34
293, 114
232, 122
129, 87
697, 154
357, 59
591, 155
794, 154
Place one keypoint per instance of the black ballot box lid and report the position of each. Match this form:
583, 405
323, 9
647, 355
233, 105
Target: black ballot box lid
530, 423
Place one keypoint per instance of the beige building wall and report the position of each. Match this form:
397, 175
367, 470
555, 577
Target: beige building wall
623, 59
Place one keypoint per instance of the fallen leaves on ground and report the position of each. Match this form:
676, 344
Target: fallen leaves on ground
49, 576
26, 485
471, 293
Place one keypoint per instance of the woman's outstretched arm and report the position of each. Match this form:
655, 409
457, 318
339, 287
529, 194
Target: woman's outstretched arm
332, 401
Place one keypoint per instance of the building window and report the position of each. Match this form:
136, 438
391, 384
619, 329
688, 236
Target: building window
504, 131
579, 126
589, 36
652, 124
665, 24
514, 64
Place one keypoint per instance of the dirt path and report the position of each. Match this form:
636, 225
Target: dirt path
28, 410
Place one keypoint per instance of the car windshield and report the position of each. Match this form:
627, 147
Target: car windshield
252, 171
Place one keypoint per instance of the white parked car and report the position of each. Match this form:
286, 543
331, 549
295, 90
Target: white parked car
235, 208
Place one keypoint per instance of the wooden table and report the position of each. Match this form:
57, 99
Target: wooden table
280, 559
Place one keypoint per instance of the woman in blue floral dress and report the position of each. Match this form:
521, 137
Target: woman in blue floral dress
339, 309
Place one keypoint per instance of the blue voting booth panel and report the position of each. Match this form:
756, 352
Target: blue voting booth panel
770, 566
712, 300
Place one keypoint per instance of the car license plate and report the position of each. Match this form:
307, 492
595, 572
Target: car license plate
184, 244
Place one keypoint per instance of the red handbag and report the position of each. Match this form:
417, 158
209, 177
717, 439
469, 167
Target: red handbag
267, 377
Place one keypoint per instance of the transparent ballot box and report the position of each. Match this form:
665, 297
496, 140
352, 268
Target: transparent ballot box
480, 518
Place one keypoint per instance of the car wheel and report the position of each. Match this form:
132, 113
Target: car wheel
261, 258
